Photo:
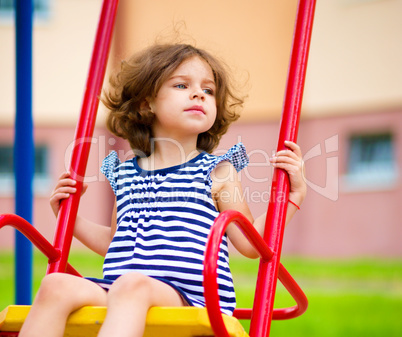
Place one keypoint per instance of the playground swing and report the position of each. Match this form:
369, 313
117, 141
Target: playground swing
184, 321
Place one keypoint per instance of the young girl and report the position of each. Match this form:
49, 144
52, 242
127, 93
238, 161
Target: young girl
172, 103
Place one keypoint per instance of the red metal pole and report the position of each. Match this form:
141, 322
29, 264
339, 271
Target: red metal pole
84, 132
275, 221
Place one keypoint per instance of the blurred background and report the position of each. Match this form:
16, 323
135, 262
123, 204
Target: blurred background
345, 243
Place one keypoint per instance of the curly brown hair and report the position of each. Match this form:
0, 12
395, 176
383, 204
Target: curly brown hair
142, 76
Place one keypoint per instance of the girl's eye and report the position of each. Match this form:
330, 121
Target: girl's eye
208, 91
180, 86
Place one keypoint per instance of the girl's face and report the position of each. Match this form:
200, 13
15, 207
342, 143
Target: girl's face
185, 104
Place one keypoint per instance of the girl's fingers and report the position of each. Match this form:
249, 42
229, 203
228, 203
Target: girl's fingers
64, 175
289, 168
292, 155
55, 199
289, 160
294, 150
293, 146
64, 189
286, 160
64, 180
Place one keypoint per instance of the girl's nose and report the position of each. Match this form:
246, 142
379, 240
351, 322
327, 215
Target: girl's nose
199, 93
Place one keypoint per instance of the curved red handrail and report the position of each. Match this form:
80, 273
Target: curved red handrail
211, 262
33, 235
210, 272
296, 292
284, 313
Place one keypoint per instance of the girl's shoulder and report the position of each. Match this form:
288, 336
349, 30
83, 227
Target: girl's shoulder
236, 155
111, 166
111, 161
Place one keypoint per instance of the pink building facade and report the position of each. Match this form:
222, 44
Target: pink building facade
350, 131
347, 213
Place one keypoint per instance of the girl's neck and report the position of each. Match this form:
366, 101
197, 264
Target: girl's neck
169, 152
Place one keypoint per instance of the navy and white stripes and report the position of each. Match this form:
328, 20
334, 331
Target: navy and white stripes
163, 221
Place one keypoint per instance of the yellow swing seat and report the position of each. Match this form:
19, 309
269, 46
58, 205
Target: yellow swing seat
161, 321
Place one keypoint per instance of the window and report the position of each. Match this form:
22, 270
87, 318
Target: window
41, 9
41, 172
371, 161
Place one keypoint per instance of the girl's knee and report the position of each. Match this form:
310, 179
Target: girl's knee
131, 285
54, 287
142, 290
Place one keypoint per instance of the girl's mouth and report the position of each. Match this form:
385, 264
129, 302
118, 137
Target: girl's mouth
196, 109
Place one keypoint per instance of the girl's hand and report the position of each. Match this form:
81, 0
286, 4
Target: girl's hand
64, 187
291, 161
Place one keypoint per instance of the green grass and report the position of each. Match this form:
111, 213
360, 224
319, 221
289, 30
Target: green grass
346, 298
87, 263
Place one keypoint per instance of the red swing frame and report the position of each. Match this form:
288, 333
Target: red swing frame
268, 247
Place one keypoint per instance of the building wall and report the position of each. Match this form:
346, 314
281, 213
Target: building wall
97, 202
62, 46
339, 219
336, 219
353, 86
354, 62
253, 38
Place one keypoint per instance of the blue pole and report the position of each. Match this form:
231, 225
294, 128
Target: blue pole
23, 148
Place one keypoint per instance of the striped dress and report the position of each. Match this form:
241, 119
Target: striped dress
163, 220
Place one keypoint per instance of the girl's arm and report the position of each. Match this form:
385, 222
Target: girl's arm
96, 237
228, 194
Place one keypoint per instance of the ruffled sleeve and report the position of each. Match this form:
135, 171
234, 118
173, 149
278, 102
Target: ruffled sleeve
109, 169
236, 155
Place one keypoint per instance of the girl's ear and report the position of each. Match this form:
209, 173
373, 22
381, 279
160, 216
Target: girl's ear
146, 113
146, 105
